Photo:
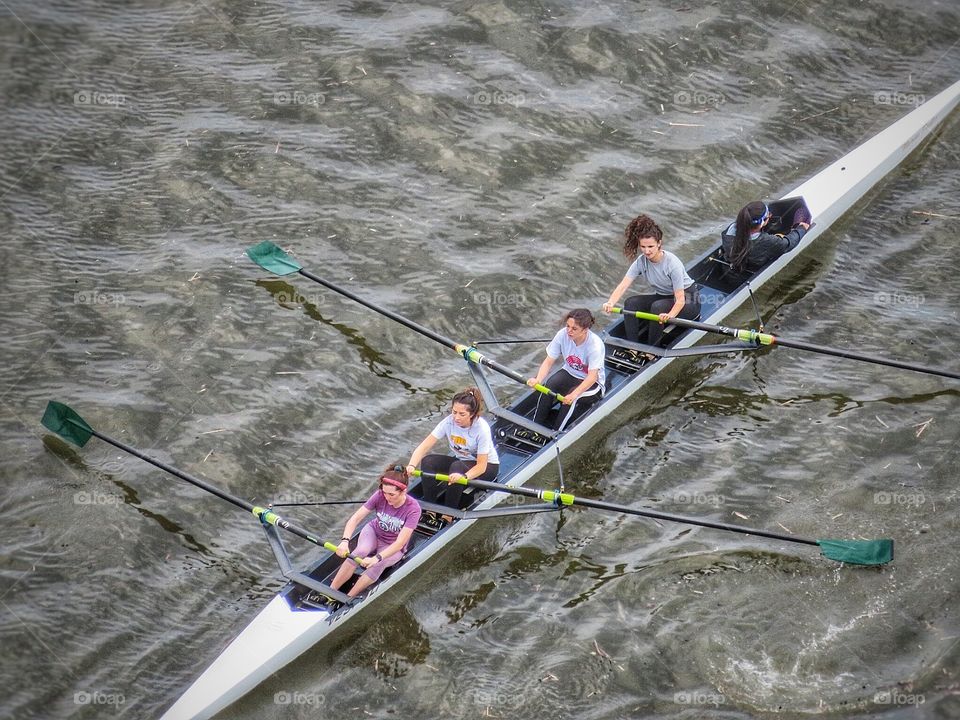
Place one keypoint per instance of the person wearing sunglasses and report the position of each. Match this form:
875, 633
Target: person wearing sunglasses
383, 541
748, 245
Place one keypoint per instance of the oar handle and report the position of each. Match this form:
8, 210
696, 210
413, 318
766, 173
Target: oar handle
558, 498
745, 335
333, 548
753, 336
475, 356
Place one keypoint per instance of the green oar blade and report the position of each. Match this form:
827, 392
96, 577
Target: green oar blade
62, 420
858, 552
273, 259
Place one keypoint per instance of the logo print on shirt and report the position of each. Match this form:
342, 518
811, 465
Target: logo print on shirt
577, 364
389, 523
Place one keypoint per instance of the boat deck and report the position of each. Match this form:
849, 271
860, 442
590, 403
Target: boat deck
517, 446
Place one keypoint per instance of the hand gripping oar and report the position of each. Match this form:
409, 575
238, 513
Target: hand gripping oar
333, 548
272, 259
767, 339
856, 552
66, 423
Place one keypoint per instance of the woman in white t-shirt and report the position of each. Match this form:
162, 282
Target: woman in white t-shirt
582, 377
675, 294
471, 442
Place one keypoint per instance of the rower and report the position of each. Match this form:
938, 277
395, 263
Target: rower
748, 244
383, 541
582, 378
675, 294
470, 440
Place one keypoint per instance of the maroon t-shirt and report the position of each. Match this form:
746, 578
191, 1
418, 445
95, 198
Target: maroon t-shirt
389, 521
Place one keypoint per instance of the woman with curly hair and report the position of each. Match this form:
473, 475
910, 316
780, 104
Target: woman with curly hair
675, 294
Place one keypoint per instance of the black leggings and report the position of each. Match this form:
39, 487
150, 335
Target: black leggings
657, 304
562, 382
447, 465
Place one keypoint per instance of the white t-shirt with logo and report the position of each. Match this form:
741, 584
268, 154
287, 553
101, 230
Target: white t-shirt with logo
467, 443
578, 360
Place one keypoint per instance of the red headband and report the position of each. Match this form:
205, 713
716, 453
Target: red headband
396, 483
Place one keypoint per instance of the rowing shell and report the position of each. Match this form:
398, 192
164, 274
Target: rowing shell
299, 617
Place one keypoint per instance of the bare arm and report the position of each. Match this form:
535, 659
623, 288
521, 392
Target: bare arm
390, 550
587, 383
679, 300
542, 371
476, 471
617, 293
422, 449
343, 548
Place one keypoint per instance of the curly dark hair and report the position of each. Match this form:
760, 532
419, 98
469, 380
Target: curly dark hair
641, 226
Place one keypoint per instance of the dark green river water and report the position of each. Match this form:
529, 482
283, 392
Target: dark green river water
470, 165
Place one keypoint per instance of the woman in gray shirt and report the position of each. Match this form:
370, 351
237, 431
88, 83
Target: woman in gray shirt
675, 294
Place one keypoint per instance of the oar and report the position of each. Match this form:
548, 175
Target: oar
857, 552
272, 259
66, 423
768, 339
333, 548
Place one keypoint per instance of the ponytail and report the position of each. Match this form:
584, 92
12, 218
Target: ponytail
395, 475
749, 219
471, 398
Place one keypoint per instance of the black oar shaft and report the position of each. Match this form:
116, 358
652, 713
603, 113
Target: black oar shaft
264, 514
768, 339
468, 352
417, 327
567, 499
863, 357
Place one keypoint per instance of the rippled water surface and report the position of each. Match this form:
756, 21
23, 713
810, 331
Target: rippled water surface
470, 165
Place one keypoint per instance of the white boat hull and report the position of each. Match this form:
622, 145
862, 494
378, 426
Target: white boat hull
279, 634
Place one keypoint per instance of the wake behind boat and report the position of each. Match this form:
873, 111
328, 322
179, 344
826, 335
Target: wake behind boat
306, 610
